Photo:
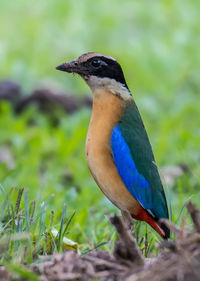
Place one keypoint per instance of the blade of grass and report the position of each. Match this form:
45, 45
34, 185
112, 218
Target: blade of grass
40, 237
8, 223
33, 211
167, 192
42, 208
6, 202
42, 219
3, 192
95, 248
21, 271
182, 209
52, 218
68, 223
60, 233
26, 203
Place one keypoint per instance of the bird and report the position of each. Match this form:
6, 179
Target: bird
118, 151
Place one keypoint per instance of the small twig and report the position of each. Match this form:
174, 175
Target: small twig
9, 222
181, 236
195, 215
126, 248
33, 211
173, 246
108, 264
194, 238
171, 226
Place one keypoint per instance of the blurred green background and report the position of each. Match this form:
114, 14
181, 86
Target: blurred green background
157, 44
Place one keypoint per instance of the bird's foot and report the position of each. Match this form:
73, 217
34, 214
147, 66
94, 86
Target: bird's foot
128, 220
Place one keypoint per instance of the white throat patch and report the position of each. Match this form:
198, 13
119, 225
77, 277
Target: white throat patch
96, 84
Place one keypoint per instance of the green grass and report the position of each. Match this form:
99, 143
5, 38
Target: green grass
157, 44
50, 163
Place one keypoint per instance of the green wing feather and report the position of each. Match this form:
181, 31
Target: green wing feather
135, 135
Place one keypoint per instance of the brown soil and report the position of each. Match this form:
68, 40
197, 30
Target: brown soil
179, 260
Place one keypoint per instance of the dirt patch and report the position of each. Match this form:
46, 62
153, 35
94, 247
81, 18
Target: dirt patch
47, 100
179, 260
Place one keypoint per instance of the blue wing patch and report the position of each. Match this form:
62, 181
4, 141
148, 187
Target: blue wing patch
137, 185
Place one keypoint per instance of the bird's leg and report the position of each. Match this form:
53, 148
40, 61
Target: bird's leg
128, 220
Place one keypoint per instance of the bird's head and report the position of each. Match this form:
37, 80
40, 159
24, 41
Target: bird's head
101, 72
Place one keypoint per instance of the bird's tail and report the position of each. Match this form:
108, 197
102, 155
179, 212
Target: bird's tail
165, 229
160, 228
155, 226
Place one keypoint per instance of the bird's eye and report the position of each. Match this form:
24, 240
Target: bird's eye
96, 63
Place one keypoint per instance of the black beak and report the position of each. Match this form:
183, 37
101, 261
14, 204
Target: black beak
70, 67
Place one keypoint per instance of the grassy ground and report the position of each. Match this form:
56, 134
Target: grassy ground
157, 43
